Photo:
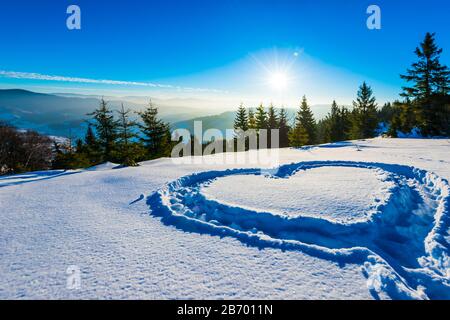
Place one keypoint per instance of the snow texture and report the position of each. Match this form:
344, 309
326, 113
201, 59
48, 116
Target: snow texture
350, 220
400, 245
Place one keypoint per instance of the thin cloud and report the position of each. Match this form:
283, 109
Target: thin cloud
44, 77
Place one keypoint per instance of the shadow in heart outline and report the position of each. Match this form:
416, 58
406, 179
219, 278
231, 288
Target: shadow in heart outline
402, 248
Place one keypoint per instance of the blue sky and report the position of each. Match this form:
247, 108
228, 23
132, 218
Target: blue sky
218, 49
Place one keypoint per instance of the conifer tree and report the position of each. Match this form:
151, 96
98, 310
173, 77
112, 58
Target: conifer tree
272, 124
272, 118
429, 95
337, 124
91, 148
241, 121
89, 138
106, 128
251, 119
364, 114
298, 136
261, 118
156, 133
126, 134
284, 129
304, 132
427, 74
332, 124
345, 124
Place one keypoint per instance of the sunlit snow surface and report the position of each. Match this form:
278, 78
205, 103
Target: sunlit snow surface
353, 220
317, 192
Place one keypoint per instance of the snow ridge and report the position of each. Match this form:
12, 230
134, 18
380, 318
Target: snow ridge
402, 247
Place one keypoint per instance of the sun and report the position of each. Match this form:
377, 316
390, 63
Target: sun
278, 80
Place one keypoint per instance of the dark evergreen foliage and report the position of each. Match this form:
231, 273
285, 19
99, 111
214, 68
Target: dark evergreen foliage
364, 114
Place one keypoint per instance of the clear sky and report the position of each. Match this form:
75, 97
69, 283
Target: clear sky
227, 50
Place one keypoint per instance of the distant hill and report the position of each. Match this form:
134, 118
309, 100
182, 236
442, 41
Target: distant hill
65, 114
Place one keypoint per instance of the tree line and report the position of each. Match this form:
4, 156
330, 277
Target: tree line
425, 107
111, 135
340, 124
115, 136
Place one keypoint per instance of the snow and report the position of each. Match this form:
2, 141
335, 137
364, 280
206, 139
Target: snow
315, 192
30, 177
104, 166
379, 228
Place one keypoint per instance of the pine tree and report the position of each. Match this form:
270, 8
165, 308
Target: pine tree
125, 136
261, 118
106, 128
91, 147
429, 96
364, 114
156, 132
386, 113
272, 118
322, 131
304, 131
241, 121
284, 129
427, 74
336, 124
305, 125
333, 133
272, 124
345, 124
298, 136
89, 138
251, 119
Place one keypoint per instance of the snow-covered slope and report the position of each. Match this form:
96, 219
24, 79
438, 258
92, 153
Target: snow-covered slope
353, 220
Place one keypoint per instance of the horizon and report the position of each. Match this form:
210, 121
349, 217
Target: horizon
172, 50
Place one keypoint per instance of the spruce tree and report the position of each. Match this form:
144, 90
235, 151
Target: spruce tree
333, 133
284, 129
106, 128
364, 114
272, 124
272, 118
386, 113
428, 97
322, 131
298, 136
345, 124
251, 119
241, 121
91, 147
126, 134
89, 138
427, 74
305, 124
156, 133
337, 124
261, 118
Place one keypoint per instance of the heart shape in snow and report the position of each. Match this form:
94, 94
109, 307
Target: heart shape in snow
340, 194
398, 240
